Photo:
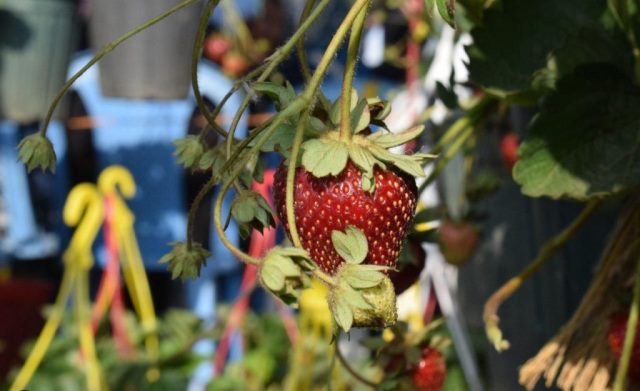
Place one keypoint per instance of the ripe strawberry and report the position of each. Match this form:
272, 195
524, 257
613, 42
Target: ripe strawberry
430, 372
216, 46
323, 205
616, 335
509, 150
458, 241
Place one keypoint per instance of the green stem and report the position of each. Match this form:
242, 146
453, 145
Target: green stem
349, 72
490, 314
302, 54
309, 94
195, 59
103, 52
353, 372
273, 63
456, 137
294, 107
630, 335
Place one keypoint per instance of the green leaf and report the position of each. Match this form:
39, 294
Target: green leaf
351, 245
585, 141
281, 140
517, 38
389, 140
446, 8
359, 277
282, 95
342, 313
362, 158
324, 157
244, 208
272, 277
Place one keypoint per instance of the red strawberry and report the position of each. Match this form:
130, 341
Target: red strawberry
458, 241
616, 335
431, 371
509, 150
323, 205
216, 46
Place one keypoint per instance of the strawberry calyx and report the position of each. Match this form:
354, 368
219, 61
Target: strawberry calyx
251, 211
283, 272
329, 153
362, 295
186, 261
36, 151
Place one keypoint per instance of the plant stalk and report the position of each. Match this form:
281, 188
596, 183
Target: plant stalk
349, 72
490, 314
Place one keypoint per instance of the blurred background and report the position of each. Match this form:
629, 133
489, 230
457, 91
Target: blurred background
126, 111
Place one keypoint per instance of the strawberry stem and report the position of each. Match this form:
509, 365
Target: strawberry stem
309, 94
630, 335
106, 49
302, 55
195, 57
273, 62
490, 313
349, 72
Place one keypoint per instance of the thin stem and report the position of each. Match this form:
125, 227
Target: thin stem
274, 61
310, 94
302, 54
195, 59
352, 371
349, 72
630, 335
456, 136
103, 52
545, 254
291, 174
217, 209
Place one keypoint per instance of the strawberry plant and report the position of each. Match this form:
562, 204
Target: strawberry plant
346, 195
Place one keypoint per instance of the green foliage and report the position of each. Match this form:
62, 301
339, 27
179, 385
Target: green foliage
518, 37
251, 211
189, 150
36, 151
185, 262
60, 369
283, 272
584, 143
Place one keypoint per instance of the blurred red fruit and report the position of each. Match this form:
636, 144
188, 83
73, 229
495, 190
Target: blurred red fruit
509, 150
431, 371
458, 241
215, 47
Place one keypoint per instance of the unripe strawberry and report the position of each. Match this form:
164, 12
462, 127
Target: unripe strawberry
323, 205
458, 241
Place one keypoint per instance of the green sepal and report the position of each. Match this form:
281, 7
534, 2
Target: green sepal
283, 273
390, 140
446, 8
189, 150
351, 244
362, 276
184, 262
36, 151
252, 211
324, 156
